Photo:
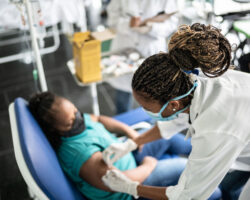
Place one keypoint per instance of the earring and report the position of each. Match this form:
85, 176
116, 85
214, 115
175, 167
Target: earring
174, 109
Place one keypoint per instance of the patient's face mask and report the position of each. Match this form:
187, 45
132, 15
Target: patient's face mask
77, 127
158, 116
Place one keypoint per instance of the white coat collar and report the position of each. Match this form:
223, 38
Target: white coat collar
195, 103
194, 107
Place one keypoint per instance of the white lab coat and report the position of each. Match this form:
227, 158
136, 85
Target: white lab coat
245, 194
119, 15
220, 131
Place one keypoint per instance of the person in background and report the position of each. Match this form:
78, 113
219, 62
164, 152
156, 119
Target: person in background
143, 25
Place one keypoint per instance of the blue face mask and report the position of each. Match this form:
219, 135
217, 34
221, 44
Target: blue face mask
158, 116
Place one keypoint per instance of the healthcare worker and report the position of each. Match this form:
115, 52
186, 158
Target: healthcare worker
216, 109
142, 25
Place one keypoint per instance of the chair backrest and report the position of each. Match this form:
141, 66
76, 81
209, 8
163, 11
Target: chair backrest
133, 116
40, 158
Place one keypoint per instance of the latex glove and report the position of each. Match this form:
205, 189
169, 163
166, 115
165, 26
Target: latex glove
143, 29
118, 182
117, 150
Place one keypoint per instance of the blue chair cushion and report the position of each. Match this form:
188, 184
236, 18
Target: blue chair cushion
41, 158
134, 116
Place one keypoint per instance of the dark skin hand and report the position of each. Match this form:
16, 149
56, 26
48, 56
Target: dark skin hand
135, 22
150, 192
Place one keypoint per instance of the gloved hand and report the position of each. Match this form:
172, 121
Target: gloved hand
117, 150
143, 29
118, 182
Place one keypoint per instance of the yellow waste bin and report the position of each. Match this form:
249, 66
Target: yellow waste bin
87, 57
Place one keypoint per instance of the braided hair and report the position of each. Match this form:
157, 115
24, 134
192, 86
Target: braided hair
161, 77
201, 46
40, 105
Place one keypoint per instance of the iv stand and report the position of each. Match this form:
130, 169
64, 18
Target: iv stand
35, 46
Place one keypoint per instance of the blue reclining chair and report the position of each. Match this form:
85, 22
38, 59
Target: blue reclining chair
37, 160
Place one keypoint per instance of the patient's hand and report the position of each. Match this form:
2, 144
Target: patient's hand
140, 148
150, 161
140, 173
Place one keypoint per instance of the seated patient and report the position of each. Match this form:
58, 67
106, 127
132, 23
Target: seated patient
79, 140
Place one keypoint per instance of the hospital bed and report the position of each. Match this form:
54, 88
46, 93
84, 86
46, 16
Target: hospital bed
37, 160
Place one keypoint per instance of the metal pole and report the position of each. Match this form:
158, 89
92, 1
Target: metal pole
35, 46
95, 105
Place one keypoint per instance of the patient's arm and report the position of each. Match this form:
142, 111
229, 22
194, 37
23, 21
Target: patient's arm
94, 168
115, 126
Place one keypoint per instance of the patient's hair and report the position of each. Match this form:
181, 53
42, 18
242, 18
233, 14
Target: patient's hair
40, 105
161, 77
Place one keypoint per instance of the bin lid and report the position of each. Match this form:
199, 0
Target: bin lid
80, 37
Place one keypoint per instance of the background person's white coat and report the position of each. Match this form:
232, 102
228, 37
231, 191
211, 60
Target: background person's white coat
119, 15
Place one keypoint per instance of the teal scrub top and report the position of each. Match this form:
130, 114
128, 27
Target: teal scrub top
75, 151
